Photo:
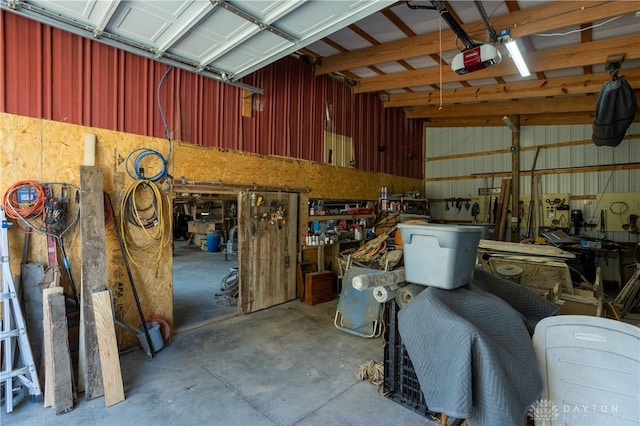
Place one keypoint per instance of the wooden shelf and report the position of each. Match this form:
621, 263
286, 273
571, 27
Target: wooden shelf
341, 217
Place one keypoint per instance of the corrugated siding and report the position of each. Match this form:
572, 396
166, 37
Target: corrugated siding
48, 73
450, 141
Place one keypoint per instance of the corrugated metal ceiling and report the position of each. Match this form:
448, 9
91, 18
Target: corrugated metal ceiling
225, 40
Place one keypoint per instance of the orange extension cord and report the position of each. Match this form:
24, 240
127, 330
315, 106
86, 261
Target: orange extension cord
33, 209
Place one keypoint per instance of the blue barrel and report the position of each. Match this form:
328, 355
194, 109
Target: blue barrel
213, 241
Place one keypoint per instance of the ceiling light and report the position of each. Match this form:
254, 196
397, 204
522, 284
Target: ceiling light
514, 51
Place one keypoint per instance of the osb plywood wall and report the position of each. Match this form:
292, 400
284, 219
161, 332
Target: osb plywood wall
52, 152
322, 181
49, 151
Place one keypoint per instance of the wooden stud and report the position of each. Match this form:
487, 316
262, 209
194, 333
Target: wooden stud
503, 206
108, 348
515, 180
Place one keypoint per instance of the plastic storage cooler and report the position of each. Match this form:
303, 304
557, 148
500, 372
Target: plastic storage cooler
442, 256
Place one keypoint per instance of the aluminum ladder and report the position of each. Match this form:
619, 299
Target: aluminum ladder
14, 331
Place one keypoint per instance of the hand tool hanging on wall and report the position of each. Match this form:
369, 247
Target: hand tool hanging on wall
107, 202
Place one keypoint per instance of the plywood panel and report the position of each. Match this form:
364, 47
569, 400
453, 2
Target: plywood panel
53, 151
20, 159
618, 206
323, 181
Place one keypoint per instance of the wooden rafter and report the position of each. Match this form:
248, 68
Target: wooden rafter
575, 85
525, 120
585, 37
583, 103
546, 17
362, 33
343, 49
592, 53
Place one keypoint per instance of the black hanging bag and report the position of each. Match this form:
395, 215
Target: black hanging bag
615, 111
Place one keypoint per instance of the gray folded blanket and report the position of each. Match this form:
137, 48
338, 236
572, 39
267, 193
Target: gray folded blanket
471, 348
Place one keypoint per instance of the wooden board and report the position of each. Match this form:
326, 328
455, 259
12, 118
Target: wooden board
503, 207
61, 358
266, 250
108, 348
527, 249
32, 273
94, 275
48, 347
537, 272
319, 287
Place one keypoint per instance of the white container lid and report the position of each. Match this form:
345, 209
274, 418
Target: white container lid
440, 227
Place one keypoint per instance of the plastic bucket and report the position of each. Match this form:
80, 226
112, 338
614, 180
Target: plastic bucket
213, 241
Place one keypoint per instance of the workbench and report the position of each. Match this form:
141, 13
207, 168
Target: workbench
588, 258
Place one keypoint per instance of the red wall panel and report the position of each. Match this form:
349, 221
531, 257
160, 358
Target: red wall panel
48, 73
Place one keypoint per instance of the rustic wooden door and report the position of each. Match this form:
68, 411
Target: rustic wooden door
267, 234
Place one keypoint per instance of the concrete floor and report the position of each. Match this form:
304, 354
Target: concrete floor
286, 365
197, 276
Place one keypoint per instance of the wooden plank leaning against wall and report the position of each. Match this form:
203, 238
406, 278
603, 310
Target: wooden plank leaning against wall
50, 151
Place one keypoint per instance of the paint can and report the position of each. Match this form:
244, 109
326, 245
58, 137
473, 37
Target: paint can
510, 272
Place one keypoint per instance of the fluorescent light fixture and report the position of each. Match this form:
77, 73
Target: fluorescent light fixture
514, 51
510, 124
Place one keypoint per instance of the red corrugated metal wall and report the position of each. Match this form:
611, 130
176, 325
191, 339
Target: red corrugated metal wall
48, 73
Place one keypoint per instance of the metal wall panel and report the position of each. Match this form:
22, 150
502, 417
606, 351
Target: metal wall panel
449, 141
55, 75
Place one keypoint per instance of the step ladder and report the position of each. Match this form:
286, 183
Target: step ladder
14, 331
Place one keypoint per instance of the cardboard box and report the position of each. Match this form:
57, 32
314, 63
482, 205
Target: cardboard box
200, 227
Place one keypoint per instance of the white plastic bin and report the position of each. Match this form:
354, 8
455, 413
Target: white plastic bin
442, 256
